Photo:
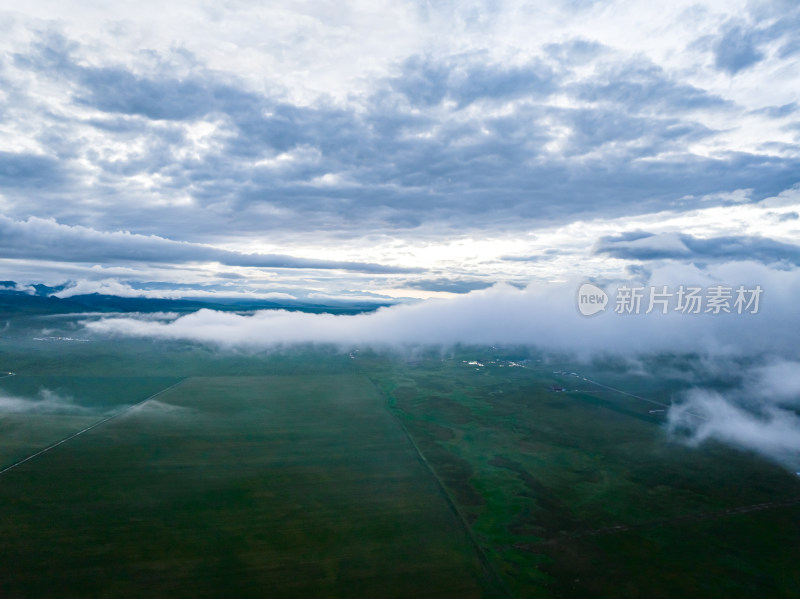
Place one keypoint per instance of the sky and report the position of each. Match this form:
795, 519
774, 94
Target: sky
380, 150
486, 158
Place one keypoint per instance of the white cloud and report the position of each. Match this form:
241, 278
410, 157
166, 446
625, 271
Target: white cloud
544, 314
47, 402
777, 382
769, 431
110, 287
164, 291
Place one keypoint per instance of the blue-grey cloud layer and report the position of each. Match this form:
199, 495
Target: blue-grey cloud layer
743, 42
441, 140
428, 144
40, 239
642, 245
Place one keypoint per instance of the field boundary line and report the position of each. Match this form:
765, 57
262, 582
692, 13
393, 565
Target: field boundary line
639, 397
621, 392
482, 557
90, 427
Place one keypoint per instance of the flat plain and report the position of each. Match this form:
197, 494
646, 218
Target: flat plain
246, 485
319, 472
577, 490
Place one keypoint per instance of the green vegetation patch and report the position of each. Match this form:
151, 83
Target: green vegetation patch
575, 490
279, 486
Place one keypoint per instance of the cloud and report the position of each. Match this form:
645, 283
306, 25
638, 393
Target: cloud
769, 431
641, 86
162, 290
758, 413
737, 49
47, 402
30, 171
111, 287
457, 139
465, 79
447, 285
543, 315
43, 239
779, 112
156, 409
330, 133
119, 91
743, 43
776, 383
680, 246
576, 51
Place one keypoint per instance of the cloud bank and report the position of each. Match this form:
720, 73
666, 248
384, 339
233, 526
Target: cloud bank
542, 315
37, 238
759, 415
642, 245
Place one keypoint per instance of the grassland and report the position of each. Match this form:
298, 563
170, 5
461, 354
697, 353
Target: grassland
581, 493
292, 482
297, 473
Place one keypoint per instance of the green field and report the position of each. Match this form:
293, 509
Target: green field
237, 486
314, 472
581, 493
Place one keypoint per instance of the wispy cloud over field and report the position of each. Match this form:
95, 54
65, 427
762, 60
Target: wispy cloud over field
758, 413
759, 416
46, 402
543, 315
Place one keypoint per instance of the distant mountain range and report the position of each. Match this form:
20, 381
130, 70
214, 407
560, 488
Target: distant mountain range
42, 300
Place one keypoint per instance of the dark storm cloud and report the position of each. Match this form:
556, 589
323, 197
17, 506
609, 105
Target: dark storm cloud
47, 240
641, 245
